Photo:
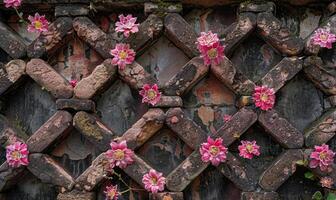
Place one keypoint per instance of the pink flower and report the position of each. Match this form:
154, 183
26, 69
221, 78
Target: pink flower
154, 181
119, 155
123, 55
248, 149
150, 94
73, 83
227, 118
127, 25
111, 192
38, 23
206, 40
213, 151
327, 182
322, 157
17, 154
12, 3
264, 97
323, 38
210, 48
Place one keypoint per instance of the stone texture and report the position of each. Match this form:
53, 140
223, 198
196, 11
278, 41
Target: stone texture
257, 7
93, 129
48, 171
321, 130
260, 196
75, 104
280, 170
93, 175
144, 128
313, 68
270, 28
185, 128
167, 196
137, 170
136, 76
189, 75
76, 195
332, 100
169, 101
244, 101
53, 39
56, 128
10, 74
48, 78
94, 36
232, 77
167, 7
11, 43
101, 76
280, 129
239, 31
9, 176
71, 10
181, 34
332, 7
285, 70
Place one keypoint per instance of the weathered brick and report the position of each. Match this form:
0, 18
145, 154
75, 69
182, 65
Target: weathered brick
136, 76
144, 128
332, 100
280, 169
75, 104
57, 127
235, 170
190, 74
239, 31
280, 129
94, 174
9, 136
185, 128
48, 78
97, 81
181, 34
11, 43
137, 170
313, 68
285, 70
257, 7
48, 171
152, 7
237, 126
71, 10
94, 36
332, 7
53, 39
9, 176
149, 31
169, 101
321, 130
232, 77
76, 195
93, 129
260, 196
13, 71
167, 196
270, 28
187, 171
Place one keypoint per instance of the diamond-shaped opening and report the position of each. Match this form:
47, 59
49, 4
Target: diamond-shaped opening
120, 107
300, 102
138, 194
28, 107
205, 187
207, 103
30, 187
164, 151
254, 57
75, 153
4, 58
269, 149
163, 60
299, 187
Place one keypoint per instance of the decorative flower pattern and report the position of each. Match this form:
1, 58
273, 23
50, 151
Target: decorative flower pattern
150, 94
12, 3
127, 25
38, 23
122, 55
264, 97
248, 149
119, 155
321, 157
154, 181
323, 38
213, 151
111, 192
17, 154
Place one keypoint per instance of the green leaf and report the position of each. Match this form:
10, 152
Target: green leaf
317, 196
309, 175
302, 162
20, 14
331, 196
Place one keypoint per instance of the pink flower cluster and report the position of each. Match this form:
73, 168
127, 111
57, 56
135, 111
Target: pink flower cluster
327, 182
38, 23
210, 48
122, 55
264, 97
154, 181
119, 155
248, 149
321, 157
323, 38
17, 154
73, 82
111, 192
213, 151
127, 25
150, 94
227, 118
12, 3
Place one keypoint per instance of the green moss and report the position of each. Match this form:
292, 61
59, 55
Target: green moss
87, 127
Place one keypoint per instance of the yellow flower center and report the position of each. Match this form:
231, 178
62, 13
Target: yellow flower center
214, 150
123, 55
154, 180
111, 194
119, 154
323, 155
324, 37
16, 155
264, 97
212, 53
151, 94
38, 24
249, 148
